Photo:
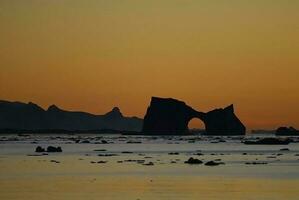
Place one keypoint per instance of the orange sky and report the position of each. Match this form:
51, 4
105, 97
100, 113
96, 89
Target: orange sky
93, 55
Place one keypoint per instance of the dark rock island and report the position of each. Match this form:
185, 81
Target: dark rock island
171, 116
285, 131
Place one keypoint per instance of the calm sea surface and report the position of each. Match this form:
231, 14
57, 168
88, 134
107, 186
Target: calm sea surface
144, 167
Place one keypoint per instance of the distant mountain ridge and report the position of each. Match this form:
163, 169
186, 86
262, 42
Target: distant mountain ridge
30, 116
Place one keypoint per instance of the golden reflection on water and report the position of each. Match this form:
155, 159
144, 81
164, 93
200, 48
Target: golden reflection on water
36, 178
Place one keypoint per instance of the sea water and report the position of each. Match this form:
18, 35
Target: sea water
248, 172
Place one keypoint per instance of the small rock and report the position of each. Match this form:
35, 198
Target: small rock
126, 152
256, 163
213, 163
101, 161
193, 161
100, 150
39, 149
106, 155
133, 142
173, 153
54, 149
149, 164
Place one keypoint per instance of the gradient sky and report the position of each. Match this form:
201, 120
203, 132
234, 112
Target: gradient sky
92, 55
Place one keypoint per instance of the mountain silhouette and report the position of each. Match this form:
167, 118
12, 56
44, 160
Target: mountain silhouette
30, 116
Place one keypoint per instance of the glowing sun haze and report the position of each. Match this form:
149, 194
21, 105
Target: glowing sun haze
96, 54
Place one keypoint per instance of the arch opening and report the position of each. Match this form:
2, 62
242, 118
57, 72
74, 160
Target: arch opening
196, 125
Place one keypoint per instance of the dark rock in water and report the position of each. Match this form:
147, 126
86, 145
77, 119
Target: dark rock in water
149, 164
85, 142
256, 163
173, 153
107, 155
54, 149
287, 131
134, 142
170, 116
39, 149
127, 152
100, 150
104, 142
137, 161
284, 149
213, 163
50, 149
193, 161
54, 161
101, 162
269, 141
218, 141
140, 161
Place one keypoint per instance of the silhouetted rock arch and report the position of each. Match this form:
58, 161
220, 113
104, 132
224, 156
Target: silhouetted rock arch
171, 116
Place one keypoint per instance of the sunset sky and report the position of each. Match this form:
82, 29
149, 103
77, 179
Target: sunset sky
92, 55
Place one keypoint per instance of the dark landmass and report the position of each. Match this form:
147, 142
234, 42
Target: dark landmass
170, 116
62, 131
27, 118
285, 131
